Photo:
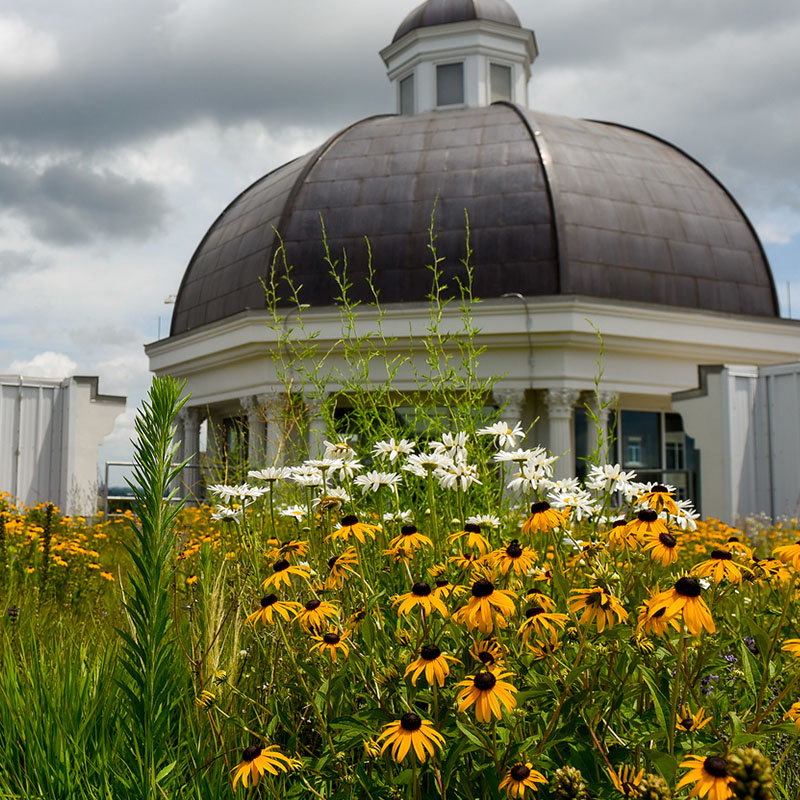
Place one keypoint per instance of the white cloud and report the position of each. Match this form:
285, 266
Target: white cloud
24, 51
45, 365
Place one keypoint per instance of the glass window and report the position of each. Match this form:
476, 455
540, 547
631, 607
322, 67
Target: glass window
500, 82
449, 84
641, 440
407, 95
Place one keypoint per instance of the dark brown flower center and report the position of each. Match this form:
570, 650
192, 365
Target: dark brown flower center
410, 722
733, 538
519, 772
687, 587
408, 530
667, 539
441, 583
721, 555
280, 565
484, 681
618, 523
350, 519
687, 723
311, 605
538, 508
251, 753
660, 489
647, 515
595, 598
332, 561
482, 588
269, 600
533, 611
420, 590
514, 550
430, 652
331, 638
716, 766
471, 528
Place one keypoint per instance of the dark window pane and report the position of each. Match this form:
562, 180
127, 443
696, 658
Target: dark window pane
407, 95
641, 440
500, 81
449, 84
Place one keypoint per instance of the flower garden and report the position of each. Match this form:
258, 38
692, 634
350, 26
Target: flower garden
423, 617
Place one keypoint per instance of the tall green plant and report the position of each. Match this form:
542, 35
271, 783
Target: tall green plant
148, 654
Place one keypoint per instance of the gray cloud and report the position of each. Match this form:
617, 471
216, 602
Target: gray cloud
70, 204
13, 262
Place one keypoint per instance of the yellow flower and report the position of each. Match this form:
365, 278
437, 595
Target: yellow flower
191, 580
684, 598
487, 691
792, 646
270, 606
793, 715
626, 780
789, 554
410, 732
689, 722
663, 547
282, 572
313, 616
710, 777
519, 778
543, 519
410, 539
433, 663
598, 606
541, 623
659, 498
339, 567
719, 566
647, 522
350, 526
330, 643
488, 652
422, 597
475, 539
486, 607
257, 760
515, 557
108, 576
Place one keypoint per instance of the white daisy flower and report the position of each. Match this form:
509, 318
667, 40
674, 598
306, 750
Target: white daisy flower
373, 480
393, 449
506, 437
270, 474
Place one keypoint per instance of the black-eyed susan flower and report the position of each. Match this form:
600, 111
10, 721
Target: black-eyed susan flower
371, 748
351, 527
475, 540
420, 597
542, 648
539, 598
487, 690
663, 547
466, 561
626, 780
272, 606
598, 607
792, 646
735, 545
443, 589
331, 643
433, 663
314, 615
770, 569
543, 518
646, 522
258, 760
793, 715
410, 539
684, 599
520, 779
542, 623
488, 651
339, 567
486, 607
688, 722
513, 557
789, 554
282, 572
718, 567
296, 548
411, 733
657, 622
621, 536
709, 776
659, 498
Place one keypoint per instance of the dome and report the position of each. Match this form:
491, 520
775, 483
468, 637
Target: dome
556, 206
444, 12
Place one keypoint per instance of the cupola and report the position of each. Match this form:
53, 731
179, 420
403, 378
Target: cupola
450, 54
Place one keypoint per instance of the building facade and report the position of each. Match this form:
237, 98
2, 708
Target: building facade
578, 231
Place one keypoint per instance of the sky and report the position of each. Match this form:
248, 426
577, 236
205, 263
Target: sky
126, 128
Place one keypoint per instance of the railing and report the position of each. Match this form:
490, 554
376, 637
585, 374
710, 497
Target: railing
184, 486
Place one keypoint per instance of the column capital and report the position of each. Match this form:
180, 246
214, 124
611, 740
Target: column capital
509, 398
191, 415
561, 402
598, 400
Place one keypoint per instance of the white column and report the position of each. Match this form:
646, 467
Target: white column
601, 404
256, 431
191, 419
317, 431
276, 438
560, 422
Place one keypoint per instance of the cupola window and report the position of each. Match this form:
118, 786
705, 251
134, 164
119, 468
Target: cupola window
407, 95
450, 84
499, 82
